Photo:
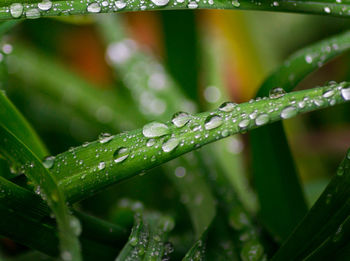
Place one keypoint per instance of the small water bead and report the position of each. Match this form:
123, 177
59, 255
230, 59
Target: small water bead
345, 93
120, 154
235, 3
308, 58
101, 165
288, 112
150, 142
133, 241
94, 8
16, 10
180, 119
48, 162
66, 256
192, 5
33, 13
212, 122
75, 225
262, 119
276, 93
244, 123
160, 2
155, 129
227, 106
45, 5
327, 9
105, 137
170, 144
328, 93
318, 102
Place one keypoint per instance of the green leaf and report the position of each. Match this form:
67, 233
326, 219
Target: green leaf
31, 9
325, 228
84, 170
275, 177
26, 215
148, 238
17, 153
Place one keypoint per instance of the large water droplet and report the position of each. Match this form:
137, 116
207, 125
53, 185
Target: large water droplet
212, 122
235, 3
45, 5
155, 129
289, 112
16, 10
160, 2
345, 93
262, 119
244, 123
276, 93
33, 13
328, 93
180, 119
120, 4
48, 162
227, 106
120, 154
170, 144
192, 5
94, 8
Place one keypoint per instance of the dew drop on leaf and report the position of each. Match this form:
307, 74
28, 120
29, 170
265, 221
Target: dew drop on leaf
94, 8
105, 137
235, 3
16, 10
180, 119
170, 144
227, 106
345, 93
75, 225
244, 123
101, 165
133, 241
120, 154
160, 2
33, 13
328, 93
276, 93
45, 5
155, 129
192, 5
48, 162
212, 122
262, 119
288, 112
120, 4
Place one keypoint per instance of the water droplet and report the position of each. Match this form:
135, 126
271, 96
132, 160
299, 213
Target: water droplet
276, 93
340, 171
66, 256
48, 162
133, 241
150, 142
235, 3
244, 123
328, 93
338, 234
105, 137
155, 129
101, 165
318, 102
160, 2
33, 13
180, 119
16, 10
120, 4
212, 122
262, 119
94, 8
120, 154
192, 5
45, 5
75, 225
308, 58
227, 106
327, 9
288, 112
345, 93
170, 144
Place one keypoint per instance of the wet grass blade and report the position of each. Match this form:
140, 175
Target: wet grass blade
84, 170
326, 226
27, 209
148, 238
31, 9
18, 154
274, 172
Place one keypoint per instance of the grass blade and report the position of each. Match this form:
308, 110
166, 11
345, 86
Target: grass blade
129, 153
322, 226
18, 154
148, 238
271, 155
30, 9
